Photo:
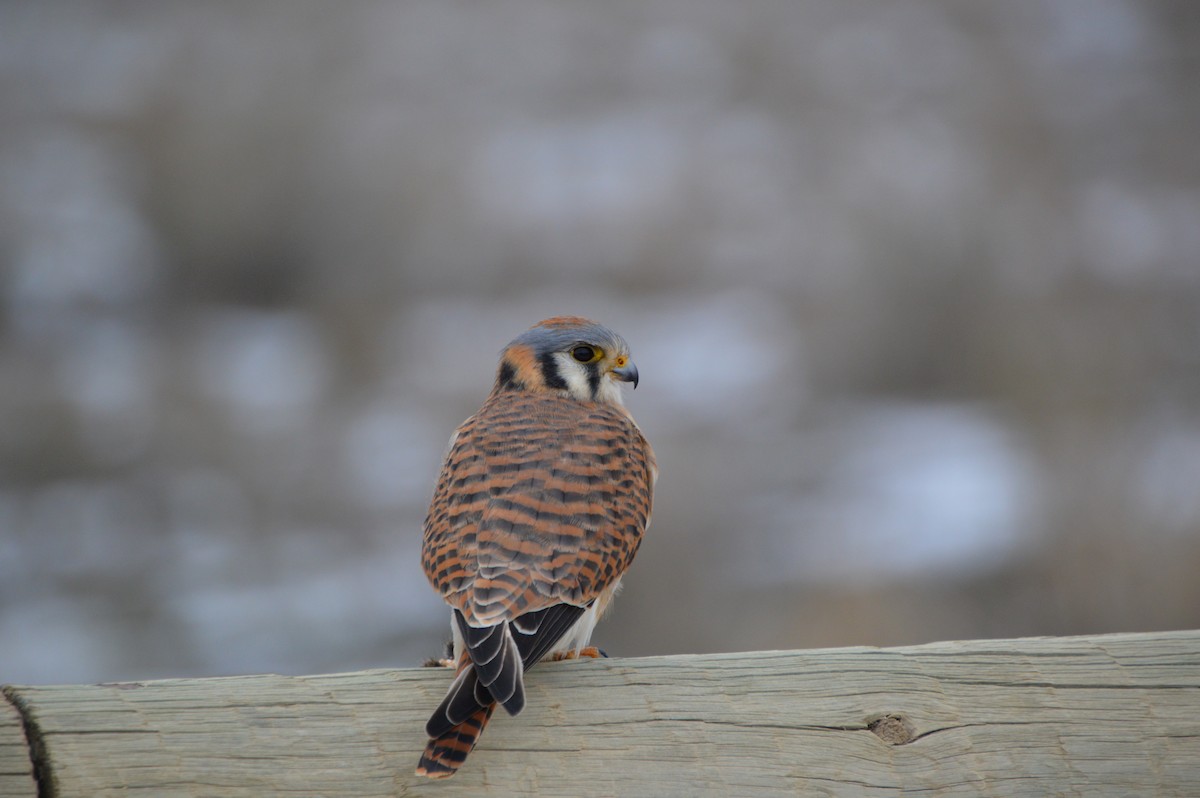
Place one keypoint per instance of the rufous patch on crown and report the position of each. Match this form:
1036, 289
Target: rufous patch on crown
558, 322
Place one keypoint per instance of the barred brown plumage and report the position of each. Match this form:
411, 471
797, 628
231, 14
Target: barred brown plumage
539, 509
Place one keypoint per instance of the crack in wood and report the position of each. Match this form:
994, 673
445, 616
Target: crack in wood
43, 776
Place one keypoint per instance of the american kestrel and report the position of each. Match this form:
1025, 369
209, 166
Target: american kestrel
539, 509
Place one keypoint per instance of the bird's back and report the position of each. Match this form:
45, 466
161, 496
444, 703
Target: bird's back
542, 500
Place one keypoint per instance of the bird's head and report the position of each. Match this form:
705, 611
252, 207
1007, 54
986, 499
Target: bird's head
571, 356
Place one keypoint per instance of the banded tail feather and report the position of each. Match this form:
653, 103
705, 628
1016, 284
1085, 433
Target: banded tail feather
507, 650
445, 753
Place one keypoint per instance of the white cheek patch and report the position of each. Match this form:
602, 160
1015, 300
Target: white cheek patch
610, 391
574, 375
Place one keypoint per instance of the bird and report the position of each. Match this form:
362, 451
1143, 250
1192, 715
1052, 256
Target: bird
541, 504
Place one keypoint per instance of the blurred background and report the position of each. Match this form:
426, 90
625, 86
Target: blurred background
914, 288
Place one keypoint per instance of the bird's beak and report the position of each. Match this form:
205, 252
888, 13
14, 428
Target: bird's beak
627, 373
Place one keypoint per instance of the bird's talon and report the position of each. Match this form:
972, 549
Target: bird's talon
444, 661
589, 652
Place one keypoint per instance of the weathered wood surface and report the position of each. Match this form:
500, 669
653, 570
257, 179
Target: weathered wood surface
16, 765
1111, 715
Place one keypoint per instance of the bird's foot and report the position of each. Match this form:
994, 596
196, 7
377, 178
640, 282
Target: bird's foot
591, 652
445, 661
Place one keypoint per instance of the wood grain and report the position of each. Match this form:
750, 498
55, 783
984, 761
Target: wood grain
16, 764
1112, 715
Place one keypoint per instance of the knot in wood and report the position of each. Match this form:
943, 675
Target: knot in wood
893, 728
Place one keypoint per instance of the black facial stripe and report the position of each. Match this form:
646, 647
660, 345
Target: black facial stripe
550, 373
508, 377
593, 372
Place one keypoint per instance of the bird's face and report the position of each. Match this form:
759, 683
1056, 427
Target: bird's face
568, 355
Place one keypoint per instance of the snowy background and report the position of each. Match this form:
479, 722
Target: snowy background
913, 286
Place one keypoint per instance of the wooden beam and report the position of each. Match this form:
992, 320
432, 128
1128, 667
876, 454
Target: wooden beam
1108, 715
16, 757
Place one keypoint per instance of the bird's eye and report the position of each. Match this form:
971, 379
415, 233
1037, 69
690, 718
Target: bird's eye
584, 354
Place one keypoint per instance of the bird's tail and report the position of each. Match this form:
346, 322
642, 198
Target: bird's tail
445, 754
491, 668
457, 723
